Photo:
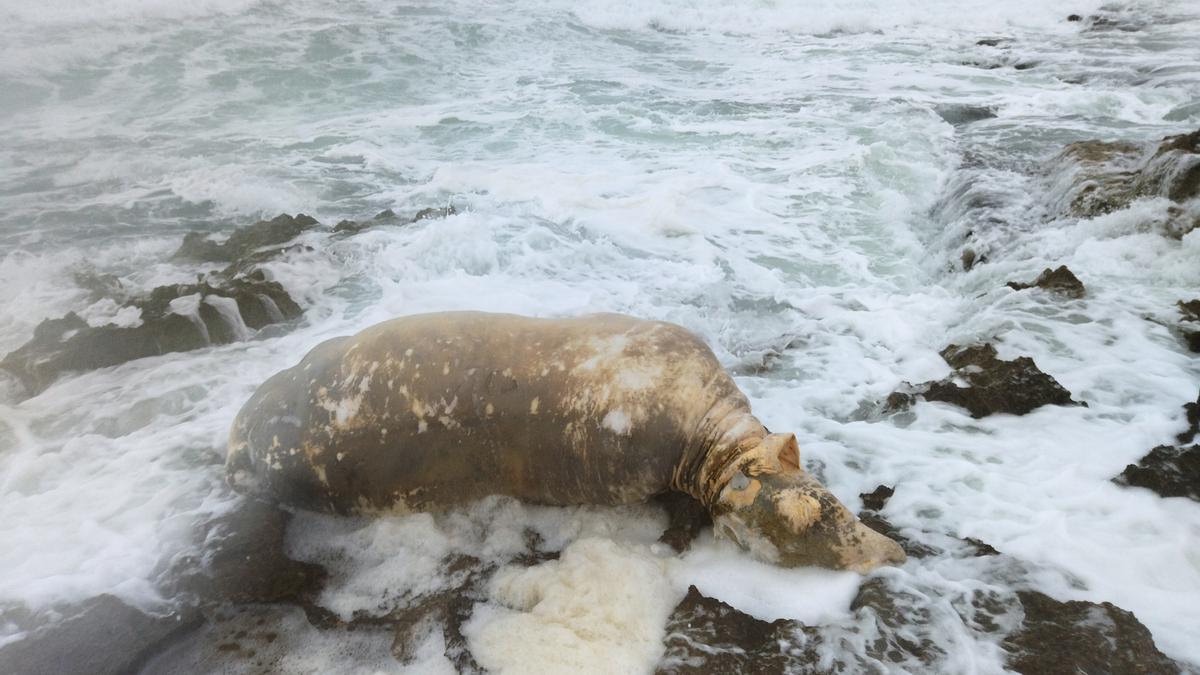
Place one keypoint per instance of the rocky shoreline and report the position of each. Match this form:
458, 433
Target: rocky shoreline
241, 591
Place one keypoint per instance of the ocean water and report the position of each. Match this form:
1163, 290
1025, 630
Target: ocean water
776, 176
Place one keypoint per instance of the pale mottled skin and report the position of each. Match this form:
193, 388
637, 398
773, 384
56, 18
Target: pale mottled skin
436, 410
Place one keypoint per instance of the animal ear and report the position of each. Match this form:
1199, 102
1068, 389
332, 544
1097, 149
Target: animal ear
785, 447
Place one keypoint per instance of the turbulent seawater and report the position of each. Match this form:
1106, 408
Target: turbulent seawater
775, 176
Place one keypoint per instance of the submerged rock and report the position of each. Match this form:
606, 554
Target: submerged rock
994, 385
174, 318
959, 115
1082, 637
245, 240
99, 285
389, 217
100, 636
1093, 178
1193, 419
1061, 281
1190, 325
270, 639
243, 560
386, 217
1168, 470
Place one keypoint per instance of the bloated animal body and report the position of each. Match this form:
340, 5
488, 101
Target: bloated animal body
436, 410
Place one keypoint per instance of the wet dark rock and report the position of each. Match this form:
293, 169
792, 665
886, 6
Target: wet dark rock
250, 265
990, 42
389, 217
705, 635
877, 498
1193, 420
386, 217
221, 314
245, 240
1191, 323
101, 636
1061, 281
980, 548
1074, 17
432, 212
1084, 638
994, 385
1168, 470
243, 560
99, 285
959, 115
263, 639
686, 518
1099, 177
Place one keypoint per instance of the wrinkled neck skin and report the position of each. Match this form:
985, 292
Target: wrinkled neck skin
752, 483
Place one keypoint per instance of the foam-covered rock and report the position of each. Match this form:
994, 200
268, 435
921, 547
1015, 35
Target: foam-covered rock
1092, 178
705, 635
175, 318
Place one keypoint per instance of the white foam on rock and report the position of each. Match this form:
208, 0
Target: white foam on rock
718, 569
384, 562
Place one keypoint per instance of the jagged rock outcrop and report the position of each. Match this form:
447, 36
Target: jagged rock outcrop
246, 240
389, 217
1060, 281
994, 385
1170, 471
1092, 178
1084, 638
175, 318
877, 498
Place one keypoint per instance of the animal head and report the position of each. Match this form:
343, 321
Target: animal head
779, 513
